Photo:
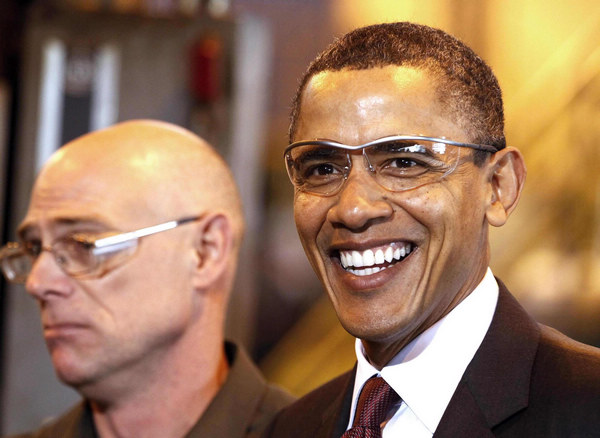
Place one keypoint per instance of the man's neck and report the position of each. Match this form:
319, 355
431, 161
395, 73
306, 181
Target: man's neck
168, 406
380, 353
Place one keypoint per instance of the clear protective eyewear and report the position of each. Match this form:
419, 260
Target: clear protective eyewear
398, 162
80, 255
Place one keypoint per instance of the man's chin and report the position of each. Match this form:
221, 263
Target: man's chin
70, 371
376, 330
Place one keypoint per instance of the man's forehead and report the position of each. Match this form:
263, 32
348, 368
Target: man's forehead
95, 166
403, 77
70, 192
356, 106
368, 90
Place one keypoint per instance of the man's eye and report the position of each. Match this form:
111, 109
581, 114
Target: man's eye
403, 163
322, 170
408, 166
73, 251
32, 248
411, 160
408, 163
79, 244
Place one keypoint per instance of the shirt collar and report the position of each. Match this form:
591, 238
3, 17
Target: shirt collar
427, 371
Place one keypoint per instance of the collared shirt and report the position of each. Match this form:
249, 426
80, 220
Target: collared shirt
427, 371
243, 407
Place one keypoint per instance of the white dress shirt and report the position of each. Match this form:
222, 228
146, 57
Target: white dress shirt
427, 371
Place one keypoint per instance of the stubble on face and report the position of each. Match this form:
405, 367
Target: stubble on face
107, 334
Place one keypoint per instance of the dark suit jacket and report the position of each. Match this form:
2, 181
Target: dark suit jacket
242, 408
526, 380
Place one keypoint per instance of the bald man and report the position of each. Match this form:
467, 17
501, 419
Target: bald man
129, 247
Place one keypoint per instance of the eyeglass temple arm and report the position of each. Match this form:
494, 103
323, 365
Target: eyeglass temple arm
124, 237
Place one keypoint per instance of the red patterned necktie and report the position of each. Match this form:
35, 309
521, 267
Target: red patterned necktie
374, 403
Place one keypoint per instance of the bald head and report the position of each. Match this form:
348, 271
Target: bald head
122, 179
153, 171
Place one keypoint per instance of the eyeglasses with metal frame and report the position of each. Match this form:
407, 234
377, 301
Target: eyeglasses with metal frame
398, 162
80, 255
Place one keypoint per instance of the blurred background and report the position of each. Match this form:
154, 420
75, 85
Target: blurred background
227, 69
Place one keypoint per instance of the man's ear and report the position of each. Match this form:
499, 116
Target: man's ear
214, 249
507, 178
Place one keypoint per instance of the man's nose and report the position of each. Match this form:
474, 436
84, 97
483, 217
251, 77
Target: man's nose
361, 202
47, 279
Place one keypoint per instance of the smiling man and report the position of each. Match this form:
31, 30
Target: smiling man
130, 247
400, 164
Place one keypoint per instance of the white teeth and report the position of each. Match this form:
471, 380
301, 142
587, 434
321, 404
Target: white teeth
389, 254
369, 258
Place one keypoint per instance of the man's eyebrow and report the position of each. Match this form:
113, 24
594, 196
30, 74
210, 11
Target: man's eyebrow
408, 145
24, 230
63, 222
318, 152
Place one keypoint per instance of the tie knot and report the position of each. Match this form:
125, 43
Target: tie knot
375, 401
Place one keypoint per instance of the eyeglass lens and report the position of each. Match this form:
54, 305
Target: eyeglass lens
74, 255
397, 165
16, 265
80, 255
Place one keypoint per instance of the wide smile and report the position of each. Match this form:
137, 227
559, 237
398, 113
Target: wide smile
373, 260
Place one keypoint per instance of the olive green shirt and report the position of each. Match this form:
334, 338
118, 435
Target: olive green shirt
242, 408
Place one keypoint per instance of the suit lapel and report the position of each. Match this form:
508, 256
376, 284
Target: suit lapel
496, 382
336, 416
463, 417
